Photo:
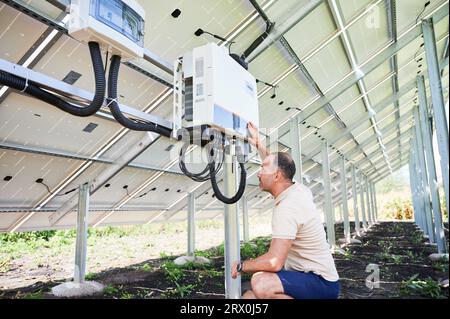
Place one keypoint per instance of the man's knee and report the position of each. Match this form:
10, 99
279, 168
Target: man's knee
262, 284
249, 295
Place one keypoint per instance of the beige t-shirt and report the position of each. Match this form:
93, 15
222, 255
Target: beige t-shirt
295, 216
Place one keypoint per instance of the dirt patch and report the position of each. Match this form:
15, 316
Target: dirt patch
396, 248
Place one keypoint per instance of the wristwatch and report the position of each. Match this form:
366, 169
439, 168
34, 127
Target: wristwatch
240, 266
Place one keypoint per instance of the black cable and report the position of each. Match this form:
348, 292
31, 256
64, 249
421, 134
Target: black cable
424, 7
204, 175
34, 90
229, 47
114, 106
106, 61
218, 193
48, 189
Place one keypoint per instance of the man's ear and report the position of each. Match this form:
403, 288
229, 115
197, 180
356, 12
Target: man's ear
278, 175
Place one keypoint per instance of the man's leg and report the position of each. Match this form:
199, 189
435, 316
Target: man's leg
248, 295
267, 285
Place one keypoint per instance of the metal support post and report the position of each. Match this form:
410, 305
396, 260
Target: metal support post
191, 224
437, 100
344, 201
231, 222
355, 202
328, 205
425, 191
82, 227
363, 206
296, 150
427, 140
245, 219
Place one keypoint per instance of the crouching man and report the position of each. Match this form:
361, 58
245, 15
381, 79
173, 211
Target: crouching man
298, 264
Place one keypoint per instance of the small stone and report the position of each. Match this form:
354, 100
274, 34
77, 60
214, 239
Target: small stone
73, 289
182, 260
438, 257
187, 259
444, 283
202, 260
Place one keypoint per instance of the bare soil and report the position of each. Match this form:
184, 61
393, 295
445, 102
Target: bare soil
397, 248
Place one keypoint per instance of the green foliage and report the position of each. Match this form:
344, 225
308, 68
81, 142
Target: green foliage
396, 259
91, 276
399, 209
206, 253
145, 267
221, 250
441, 266
33, 295
26, 236
181, 291
249, 251
348, 254
4, 264
425, 288
444, 207
410, 255
164, 256
173, 272
111, 290
211, 273
125, 295
416, 238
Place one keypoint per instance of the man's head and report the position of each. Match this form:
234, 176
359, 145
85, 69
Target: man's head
277, 169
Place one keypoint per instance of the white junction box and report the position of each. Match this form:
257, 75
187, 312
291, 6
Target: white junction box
117, 25
219, 92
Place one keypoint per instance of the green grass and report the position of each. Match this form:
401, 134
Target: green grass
181, 291
111, 290
91, 276
34, 295
4, 264
173, 272
211, 273
441, 266
422, 287
146, 267
348, 255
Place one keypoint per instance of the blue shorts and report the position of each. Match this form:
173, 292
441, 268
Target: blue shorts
308, 285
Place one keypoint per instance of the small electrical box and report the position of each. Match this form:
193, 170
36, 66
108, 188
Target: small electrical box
117, 25
218, 92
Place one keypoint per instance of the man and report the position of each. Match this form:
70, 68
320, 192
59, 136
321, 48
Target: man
298, 264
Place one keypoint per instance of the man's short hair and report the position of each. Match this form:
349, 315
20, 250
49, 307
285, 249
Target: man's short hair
285, 163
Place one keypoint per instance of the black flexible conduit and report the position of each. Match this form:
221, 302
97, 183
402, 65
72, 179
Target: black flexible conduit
34, 90
114, 106
21, 84
217, 191
262, 37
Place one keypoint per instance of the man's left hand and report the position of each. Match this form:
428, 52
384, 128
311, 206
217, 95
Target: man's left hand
234, 272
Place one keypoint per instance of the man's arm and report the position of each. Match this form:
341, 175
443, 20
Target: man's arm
256, 141
272, 261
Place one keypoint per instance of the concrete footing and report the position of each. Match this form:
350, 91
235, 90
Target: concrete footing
444, 283
438, 257
72, 289
191, 259
337, 250
352, 241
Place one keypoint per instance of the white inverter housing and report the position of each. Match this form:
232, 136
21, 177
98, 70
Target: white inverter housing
117, 25
219, 92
